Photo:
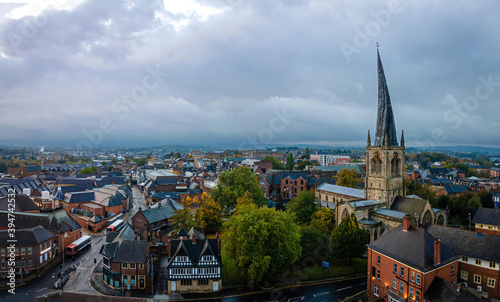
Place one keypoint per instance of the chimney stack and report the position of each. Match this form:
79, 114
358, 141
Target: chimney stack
194, 237
437, 251
218, 241
406, 222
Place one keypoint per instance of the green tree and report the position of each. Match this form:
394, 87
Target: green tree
233, 184
348, 240
290, 161
302, 165
139, 161
262, 242
277, 165
183, 218
347, 178
314, 243
89, 170
303, 206
486, 199
323, 219
208, 217
244, 200
308, 153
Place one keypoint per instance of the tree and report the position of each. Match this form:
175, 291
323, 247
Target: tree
308, 153
233, 184
183, 218
323, 219
208, 217
89, 170
277, 165
303, 206
314, 243
290, 161
262, 241
347, 178
348, 240
244, 200
486, 199
302, 165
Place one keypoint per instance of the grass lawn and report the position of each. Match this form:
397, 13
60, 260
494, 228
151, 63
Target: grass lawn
338, 268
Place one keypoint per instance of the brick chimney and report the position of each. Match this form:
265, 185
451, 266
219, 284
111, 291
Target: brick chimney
406, 222
140, 209
194, 237
437, 251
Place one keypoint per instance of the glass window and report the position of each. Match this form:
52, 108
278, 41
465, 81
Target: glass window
132, 265
395, 270
465, 259
30, 262
477, 279
30, 250
141, 266
493, 265
452, 270
3, 251
376, 290
401, 287
402, 271
412, 276
23, 250
418, 279
3, 264
202, 281
478, 262
378, 260
464, 275
378, 274
23, 263
394, 283
417, 295
411, 293
132, 278
491, 282
124, 265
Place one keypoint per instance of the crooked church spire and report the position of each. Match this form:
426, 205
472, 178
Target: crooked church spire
385, 118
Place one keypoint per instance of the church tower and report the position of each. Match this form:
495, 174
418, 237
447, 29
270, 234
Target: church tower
385, 160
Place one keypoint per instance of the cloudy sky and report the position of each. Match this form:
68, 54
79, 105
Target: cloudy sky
246, 72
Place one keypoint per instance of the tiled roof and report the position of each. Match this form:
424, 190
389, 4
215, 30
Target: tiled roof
409, 205
29, 236
131, 251
195, 251
160, 213
414, 248
457, 189
487, 216
22, 203
57, 220
390, 213
467, 243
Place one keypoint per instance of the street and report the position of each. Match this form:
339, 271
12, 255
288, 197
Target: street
137, 202
78, 282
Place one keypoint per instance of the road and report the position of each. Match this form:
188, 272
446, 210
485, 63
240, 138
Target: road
327, 291
78, 282
137, 202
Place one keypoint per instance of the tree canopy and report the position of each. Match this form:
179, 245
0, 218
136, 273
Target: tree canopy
262, 242
303, 206
233, 185
347, 178
308, 153
89, 170
290, 161
348, 240
208, 216
277, 165
323, 219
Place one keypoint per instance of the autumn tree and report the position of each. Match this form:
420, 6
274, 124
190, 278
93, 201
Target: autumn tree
348, 240
208, 216
262, 242
183, 218
303, 206
233, 184
244, 200
347, 178
323, 219
290, 161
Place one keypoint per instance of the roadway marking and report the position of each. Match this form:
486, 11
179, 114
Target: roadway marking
364, 283
40, 289
320, 294
344, 288
296, 299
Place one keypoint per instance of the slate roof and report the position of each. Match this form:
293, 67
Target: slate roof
409, 205
414, 248
467, 243
79, 196
182, 232
199, 234
342, 190
487, 216
195, 251
457, 189
390, 213
33, 168
29, 236
365, 203
82, 184
57, 220
166, 181
339, 168
22, 203
160, 213
131, 251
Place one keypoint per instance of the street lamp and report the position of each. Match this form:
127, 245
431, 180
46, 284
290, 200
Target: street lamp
469, 221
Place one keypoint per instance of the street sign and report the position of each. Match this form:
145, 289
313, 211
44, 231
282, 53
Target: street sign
325, 264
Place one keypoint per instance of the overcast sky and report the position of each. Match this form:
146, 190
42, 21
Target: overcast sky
246, 72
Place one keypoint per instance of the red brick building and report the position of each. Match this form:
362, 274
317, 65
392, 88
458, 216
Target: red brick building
479, 266
487, 221
403, 264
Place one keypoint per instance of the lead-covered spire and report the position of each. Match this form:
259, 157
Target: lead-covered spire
385, 117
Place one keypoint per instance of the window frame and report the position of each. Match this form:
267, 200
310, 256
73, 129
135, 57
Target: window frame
418, 279
492, 281
477, 279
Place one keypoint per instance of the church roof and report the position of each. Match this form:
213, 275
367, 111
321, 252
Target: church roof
342, 190
385, 117
409, 205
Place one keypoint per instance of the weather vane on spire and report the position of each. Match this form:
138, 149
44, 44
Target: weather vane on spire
377, 45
